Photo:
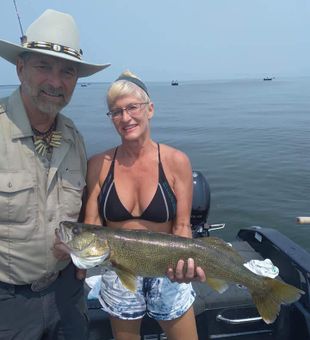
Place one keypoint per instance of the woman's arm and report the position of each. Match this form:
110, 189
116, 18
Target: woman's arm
94, 168
89, 210
183, 188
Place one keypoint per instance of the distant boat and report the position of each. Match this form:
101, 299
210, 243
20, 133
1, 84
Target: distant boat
268, 78
83, 85
174, 83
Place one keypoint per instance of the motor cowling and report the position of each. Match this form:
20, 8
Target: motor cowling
201, 200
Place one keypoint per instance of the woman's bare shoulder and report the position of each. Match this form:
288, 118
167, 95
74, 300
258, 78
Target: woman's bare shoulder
172, 155
99, 161
101, 157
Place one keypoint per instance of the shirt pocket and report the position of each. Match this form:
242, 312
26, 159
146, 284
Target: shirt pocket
17, 196
72, 183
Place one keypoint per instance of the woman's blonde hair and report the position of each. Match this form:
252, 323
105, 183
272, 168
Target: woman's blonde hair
127, 87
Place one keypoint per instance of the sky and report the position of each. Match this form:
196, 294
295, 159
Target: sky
179, 39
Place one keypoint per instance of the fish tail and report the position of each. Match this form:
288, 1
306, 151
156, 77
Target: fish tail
268, 300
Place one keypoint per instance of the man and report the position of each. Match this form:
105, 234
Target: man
43, 169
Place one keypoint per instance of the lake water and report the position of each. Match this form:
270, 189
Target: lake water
250, 138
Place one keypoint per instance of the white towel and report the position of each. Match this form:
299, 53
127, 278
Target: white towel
263, 268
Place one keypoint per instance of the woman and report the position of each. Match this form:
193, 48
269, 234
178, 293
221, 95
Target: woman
142, 185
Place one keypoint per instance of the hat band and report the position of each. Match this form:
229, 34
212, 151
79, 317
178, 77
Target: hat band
42, 45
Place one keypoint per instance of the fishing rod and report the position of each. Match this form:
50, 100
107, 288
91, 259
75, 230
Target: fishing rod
23, 37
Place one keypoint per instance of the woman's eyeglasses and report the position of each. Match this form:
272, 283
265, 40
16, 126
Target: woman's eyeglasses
133, 110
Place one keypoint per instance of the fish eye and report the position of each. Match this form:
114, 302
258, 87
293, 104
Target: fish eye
75, 230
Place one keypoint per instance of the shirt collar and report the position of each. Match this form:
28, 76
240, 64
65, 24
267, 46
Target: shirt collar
18, 116
21, 127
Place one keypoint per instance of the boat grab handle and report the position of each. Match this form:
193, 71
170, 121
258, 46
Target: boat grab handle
219, 317
303, 220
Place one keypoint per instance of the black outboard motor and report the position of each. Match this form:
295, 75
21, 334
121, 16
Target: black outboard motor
200, 205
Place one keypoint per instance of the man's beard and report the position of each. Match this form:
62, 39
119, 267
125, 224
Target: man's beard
42, 103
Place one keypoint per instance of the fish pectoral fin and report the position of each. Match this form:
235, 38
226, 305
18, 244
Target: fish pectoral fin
217, 284
127, 278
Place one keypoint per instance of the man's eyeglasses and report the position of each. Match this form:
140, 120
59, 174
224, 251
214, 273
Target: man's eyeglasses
133, 110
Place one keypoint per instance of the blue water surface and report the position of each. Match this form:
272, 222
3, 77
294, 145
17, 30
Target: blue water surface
249, 137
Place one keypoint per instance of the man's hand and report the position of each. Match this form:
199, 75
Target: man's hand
59, 249
190, 275
61, 253
80, 274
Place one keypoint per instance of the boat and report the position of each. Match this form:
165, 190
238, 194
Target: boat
83, 85
268, 78
174, 83
232, 314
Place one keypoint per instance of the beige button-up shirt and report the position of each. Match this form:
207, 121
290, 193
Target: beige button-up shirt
34, 195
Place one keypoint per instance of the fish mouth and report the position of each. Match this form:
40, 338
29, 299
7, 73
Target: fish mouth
68, 231
64, 232
72, 234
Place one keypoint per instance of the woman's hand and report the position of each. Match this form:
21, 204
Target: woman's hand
191, 274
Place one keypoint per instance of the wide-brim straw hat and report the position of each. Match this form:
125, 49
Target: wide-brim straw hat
53, 33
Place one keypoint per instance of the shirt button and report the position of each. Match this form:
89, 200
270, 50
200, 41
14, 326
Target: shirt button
10, 185
50, 219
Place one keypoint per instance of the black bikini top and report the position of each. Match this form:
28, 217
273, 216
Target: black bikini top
162, 207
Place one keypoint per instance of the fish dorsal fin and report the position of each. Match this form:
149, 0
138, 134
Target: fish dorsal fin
127, 278
217, 284
218, 242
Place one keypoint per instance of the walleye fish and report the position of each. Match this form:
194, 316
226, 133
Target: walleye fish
143, 253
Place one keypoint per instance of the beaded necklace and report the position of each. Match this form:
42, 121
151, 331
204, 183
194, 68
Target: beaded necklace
44, 141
